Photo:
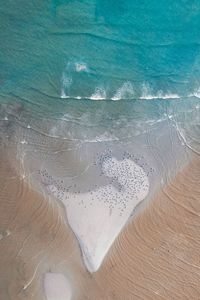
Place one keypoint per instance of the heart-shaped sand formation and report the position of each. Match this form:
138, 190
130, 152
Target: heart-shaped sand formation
97, 215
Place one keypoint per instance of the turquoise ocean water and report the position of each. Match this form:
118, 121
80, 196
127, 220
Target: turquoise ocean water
140, 59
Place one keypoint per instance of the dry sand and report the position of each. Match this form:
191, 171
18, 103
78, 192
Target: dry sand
156, 256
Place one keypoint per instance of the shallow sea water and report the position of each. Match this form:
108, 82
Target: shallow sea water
99, 150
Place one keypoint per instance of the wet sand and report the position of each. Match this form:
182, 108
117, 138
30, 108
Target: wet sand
156, 256
35, 238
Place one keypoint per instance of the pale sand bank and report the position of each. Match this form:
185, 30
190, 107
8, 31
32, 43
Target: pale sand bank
56, 287
95, 223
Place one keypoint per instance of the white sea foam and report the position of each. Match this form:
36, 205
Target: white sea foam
160, 96
196, 93
99, 94
125, 91
66, 81
147, 94
63, 95
104, 137
81, 67
56, 287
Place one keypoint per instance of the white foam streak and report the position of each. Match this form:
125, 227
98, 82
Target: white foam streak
147, 94
105, 137
160, 96
63, 95
196, 93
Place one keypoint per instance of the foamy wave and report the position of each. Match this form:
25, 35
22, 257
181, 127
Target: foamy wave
196, 93
147, 94
63, 95
101, 97
125, 91
81, 67
99, 94
160, 96
67, 77
66, 81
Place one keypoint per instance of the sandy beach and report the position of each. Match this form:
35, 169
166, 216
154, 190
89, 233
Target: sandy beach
99, 220
154, 257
